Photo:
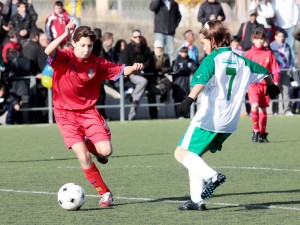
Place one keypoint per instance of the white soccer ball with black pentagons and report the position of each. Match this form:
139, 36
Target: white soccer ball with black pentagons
71, 196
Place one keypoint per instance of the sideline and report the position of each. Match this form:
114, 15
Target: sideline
155, 200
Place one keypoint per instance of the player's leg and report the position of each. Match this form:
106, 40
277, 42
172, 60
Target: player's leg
263, 124
253, 94
100, 153
263, 104
196, 187
92, 174
197, 141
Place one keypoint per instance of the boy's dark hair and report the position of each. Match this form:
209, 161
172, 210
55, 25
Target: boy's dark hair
259, 33
107, 36
21, 3
98, 33
34, 33
59, 3
184, 49
84, 31
11, 33
235, 38
280, 30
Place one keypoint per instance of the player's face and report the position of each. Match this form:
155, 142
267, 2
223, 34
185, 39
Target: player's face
258, 42
83, 48
280, 38
58, 9
206, 44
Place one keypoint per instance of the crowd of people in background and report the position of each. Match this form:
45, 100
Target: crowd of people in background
167, 71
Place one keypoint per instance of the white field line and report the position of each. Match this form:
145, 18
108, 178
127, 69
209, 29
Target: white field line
156, 200
164, 166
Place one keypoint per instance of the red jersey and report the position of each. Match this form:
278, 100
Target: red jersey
76, 82
266, 58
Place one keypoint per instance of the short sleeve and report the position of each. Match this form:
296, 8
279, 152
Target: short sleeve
111, 70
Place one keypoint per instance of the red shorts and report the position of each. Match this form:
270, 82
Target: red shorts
256, 94
76, 125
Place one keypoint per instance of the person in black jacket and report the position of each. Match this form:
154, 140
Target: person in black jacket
166, 20
245, 31
210, 10
8, 104
22, 22
137, 51
10, 9
182, 69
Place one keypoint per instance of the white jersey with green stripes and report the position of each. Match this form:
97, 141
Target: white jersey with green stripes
226, 77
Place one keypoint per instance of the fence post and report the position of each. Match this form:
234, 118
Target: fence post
50, 108
122, 99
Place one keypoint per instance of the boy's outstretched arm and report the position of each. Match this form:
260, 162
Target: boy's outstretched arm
128, 70
69, 29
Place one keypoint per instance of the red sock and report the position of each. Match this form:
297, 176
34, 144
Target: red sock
93, 176
262, 122
255, 118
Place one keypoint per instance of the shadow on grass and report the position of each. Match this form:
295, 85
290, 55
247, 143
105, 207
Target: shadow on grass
72, 158
257, 193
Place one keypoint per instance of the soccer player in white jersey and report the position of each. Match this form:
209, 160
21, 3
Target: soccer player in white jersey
223, 78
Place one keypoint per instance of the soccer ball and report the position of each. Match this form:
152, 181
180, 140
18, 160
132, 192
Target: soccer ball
71, 196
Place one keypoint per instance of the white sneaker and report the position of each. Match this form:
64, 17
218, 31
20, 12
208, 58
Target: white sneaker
289, 113
106, 200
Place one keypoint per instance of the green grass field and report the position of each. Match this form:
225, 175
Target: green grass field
263, 185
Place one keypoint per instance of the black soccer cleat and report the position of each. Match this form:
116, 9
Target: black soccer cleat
190, 205
255, 136
92, 149
263, 138
210, 186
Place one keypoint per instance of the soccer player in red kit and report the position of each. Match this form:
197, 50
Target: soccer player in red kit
258, 100
76, 81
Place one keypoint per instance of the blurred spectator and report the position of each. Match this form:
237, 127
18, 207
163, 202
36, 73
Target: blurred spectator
236, 46
8, 105
210, 10
166, 19
238, 49
22, 22
31, 49
189, 39
283, 55
136, 52
162, 67
42, 92
3, 25
10, 9
246, 29
182, 69
57, 21
117, 50
265, 16
287, 17
12, 44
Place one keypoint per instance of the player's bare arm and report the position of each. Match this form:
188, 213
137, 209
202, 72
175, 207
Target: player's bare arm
196, 90
69, 29
128, 70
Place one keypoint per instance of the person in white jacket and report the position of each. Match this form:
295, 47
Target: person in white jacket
287, 19
265, 15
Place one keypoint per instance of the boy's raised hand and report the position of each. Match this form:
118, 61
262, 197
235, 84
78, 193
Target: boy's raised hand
70, 28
